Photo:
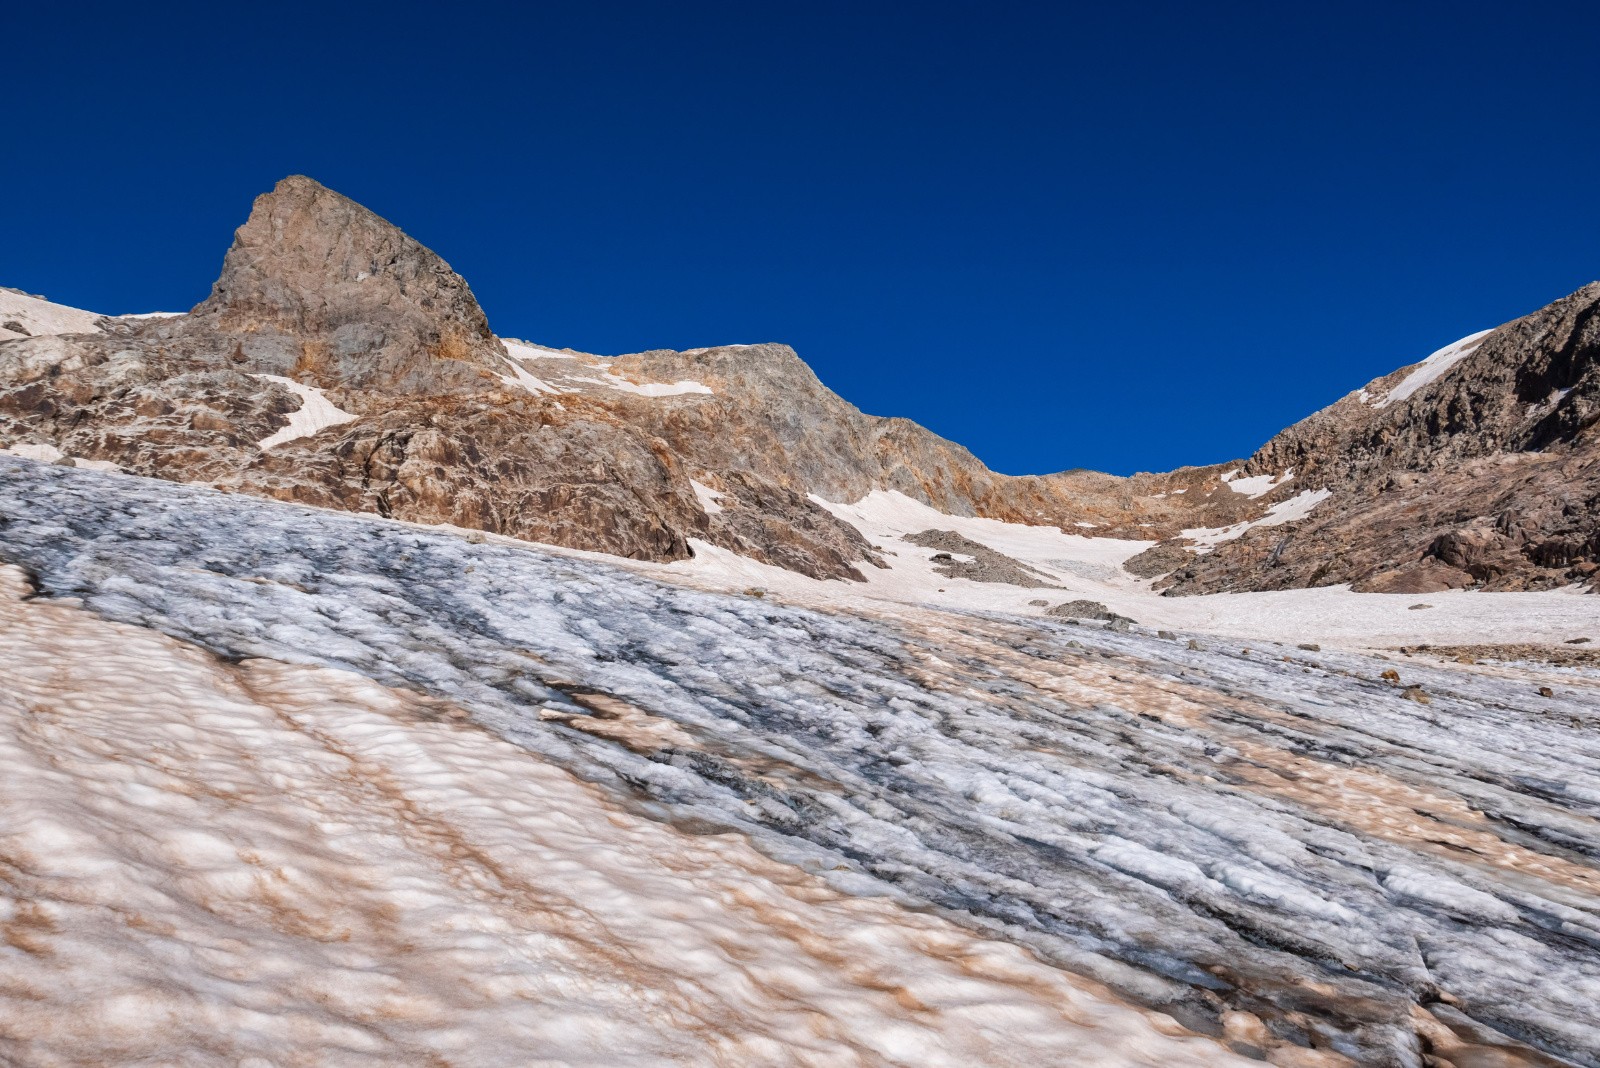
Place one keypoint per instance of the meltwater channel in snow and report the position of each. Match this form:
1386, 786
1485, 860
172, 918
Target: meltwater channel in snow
1285, 848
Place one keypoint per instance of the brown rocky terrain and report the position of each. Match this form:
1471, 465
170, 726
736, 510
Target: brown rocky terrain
444, 423
1487, 476
1481, 476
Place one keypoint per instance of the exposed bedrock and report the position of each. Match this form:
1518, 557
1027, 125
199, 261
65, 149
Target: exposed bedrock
1419, 467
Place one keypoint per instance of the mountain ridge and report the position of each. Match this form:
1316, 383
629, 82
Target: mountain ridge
449, 423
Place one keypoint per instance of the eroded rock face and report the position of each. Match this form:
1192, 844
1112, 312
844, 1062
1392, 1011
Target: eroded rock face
1486, 477
777, 526
1162, 558
320, 289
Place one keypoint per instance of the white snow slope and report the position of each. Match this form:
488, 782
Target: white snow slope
1090, 567
39, 317
1276, 845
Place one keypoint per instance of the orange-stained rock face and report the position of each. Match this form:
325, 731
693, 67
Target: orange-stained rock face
345, 296
439, 422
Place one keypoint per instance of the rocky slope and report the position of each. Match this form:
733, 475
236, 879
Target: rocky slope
339, 363
321, 302
1478, 468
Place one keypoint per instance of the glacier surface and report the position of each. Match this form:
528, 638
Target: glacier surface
1206, 830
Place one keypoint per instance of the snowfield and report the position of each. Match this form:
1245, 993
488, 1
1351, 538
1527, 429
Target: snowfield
1295, 508
1090, 567
273, 844
38, 317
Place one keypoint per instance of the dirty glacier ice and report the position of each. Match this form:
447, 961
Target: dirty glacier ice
1210, 832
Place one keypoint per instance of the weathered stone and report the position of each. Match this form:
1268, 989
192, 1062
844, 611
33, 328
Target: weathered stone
1160, 559
986, 564
1487, 477
320, 289
1081, 610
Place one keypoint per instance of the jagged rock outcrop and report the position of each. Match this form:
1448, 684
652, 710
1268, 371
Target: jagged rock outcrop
778, 526
1486, 475
1162, 558
441, 422
320, 289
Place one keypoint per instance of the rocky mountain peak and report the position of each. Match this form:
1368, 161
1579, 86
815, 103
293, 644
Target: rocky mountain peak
319, 287
1475, 468
340, 363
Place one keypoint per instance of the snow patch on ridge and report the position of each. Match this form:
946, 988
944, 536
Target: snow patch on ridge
1255, 485
1433, 368
713, 348
39, 317
316, 413
649, 389
520, 377
1297, 507
526, 350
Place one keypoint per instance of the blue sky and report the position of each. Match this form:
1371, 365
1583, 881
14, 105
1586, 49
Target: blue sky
1120, 237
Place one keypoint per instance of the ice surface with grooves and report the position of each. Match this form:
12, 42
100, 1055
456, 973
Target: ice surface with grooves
1208, 831
205, 863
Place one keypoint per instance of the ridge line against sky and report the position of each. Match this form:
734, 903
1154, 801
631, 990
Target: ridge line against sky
1062, 238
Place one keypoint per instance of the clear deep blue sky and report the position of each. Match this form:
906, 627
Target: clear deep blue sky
1124, 237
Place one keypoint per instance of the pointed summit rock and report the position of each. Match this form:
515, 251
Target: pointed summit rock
317, 287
